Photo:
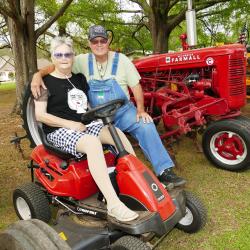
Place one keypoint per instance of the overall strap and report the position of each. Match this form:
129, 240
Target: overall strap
91, 66
115, 64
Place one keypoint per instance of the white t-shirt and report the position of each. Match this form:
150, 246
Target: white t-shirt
126, 75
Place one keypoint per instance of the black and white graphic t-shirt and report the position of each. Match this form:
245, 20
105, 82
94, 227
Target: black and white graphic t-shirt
66, 98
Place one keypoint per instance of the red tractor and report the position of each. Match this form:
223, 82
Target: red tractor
201, 88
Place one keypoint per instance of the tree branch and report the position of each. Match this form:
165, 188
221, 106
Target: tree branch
176, 19
209, 4
199, 16
126, 11
144, 5
13, 10
7, 61
5, 10
59, 13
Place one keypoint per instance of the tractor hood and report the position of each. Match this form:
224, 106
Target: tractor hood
203, 57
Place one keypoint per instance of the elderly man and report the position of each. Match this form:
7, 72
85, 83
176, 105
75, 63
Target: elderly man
109, 74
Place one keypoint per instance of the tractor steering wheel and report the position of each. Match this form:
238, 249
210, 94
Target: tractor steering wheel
106, 110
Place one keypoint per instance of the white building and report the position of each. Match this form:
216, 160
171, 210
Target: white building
7, 70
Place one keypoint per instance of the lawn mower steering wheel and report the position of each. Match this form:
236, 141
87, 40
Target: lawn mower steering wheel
106, 110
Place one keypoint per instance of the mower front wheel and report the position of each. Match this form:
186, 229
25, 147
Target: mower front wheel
30, 202
129, 243
226, 143
195, 217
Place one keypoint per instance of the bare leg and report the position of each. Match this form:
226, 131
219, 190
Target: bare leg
92, 146
106, 138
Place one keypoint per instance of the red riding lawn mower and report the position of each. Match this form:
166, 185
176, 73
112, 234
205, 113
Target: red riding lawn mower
60, 180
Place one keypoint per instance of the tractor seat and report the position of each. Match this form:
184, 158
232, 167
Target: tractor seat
51, 148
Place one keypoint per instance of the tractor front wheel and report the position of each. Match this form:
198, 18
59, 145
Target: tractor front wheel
226, 144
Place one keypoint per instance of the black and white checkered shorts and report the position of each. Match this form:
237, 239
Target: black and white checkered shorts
66, 139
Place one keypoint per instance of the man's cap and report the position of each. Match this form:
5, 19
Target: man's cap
97, 31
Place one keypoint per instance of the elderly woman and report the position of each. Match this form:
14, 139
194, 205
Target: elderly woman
59, 108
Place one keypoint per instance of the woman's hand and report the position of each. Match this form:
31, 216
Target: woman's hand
77, 126
146, 118
36, 85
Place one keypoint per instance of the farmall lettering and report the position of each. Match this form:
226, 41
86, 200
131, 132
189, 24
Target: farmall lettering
182, 58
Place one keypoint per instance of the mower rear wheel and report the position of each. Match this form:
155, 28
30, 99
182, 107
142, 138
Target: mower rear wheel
226, 143
31, 234
31, 202
195, 217
29, 119
130, 243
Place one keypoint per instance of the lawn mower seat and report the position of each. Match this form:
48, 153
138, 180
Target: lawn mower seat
50, 148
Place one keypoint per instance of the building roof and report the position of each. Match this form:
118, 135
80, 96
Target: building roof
6, 63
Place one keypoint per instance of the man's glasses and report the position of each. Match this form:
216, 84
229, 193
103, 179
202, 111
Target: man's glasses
101, 41
59, 55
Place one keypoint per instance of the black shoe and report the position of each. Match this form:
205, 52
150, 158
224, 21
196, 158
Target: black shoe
168, 176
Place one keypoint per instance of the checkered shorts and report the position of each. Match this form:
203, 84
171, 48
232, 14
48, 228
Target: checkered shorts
66, 139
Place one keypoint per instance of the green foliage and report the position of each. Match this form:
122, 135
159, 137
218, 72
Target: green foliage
223, 22
82, 14
220, 23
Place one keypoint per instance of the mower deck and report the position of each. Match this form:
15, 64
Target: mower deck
87, 232
84, 236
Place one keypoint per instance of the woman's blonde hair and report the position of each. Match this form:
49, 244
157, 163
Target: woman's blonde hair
60, 40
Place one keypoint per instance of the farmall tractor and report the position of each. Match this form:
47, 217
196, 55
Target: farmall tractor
198, 89
201, 88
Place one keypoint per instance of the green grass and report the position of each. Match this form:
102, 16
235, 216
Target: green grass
225, 194
7, 86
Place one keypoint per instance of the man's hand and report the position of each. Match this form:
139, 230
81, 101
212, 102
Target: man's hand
77, 126
139, 99
36, 85
146, 118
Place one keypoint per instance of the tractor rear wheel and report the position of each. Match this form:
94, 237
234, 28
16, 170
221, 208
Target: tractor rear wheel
31, 234
226, 143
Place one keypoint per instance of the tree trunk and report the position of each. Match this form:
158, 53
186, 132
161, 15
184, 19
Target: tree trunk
159, 29
24, 50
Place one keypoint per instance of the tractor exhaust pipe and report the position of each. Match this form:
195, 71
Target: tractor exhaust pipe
191, 25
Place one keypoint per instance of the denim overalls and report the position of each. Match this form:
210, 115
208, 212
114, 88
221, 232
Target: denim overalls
102, 91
